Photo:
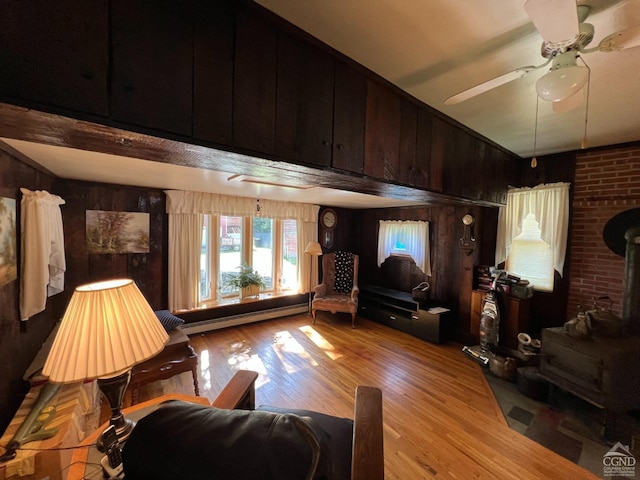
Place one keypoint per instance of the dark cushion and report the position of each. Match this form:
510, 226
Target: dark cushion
339, 431
168, 320
181, 440
344, 272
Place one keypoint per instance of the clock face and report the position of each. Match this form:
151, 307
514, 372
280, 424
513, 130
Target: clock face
468, 219
328, 219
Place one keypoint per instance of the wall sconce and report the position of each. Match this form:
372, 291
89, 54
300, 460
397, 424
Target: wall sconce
467, 242
258, 208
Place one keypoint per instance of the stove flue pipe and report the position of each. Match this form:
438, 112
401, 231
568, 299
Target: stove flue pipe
631, 306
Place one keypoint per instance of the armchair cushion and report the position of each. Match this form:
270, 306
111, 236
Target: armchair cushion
340, 432
184, 440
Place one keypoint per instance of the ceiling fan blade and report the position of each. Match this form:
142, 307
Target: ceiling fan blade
556, 20
568, 104
489, 85
627, 38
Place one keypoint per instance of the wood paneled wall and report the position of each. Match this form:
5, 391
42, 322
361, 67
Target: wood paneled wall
452, 269
19, 341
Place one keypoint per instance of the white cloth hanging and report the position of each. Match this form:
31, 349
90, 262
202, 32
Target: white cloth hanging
42, 255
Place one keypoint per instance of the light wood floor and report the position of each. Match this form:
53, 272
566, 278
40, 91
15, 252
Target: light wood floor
440, 417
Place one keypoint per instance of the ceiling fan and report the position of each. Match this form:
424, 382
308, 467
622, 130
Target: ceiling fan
561, 23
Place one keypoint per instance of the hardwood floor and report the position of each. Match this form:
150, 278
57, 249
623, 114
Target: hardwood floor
440, 416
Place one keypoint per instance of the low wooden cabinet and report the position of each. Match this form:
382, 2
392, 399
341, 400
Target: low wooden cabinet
514, 317
399, 310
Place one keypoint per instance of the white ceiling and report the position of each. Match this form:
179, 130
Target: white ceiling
77, 164
436, 48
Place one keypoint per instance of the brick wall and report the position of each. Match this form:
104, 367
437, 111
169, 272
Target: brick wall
607, 182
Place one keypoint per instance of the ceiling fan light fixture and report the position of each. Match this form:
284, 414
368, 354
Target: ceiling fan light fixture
561, 83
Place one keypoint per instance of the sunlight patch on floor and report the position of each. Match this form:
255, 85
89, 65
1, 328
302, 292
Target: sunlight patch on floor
205, 374
240, 357
320, 341
292, 355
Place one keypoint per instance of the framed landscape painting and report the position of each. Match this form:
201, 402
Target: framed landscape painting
117, 232
8, 239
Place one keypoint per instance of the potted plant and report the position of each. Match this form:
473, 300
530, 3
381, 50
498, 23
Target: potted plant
247, 280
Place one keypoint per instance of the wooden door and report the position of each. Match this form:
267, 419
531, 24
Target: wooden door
382, 132
152, 64
254, 89
349, 105
55, 53
213, 71
304, 112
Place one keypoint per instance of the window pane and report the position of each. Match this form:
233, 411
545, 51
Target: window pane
230, 250
205, 261
263, 249
289, 267
530, 257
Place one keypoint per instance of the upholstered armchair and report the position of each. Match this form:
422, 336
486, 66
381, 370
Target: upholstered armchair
234, 440
339, 290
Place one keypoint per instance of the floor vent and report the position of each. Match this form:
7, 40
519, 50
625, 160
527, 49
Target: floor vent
234, 320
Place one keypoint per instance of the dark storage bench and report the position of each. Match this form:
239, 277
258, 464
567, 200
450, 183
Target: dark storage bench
399, 310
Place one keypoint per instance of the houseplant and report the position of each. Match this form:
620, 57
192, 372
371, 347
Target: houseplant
247, 280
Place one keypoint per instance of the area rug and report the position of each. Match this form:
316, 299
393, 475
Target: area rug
573, 428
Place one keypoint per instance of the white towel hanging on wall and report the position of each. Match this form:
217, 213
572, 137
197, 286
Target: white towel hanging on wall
42, 258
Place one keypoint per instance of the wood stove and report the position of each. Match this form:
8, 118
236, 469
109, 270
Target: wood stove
604, 371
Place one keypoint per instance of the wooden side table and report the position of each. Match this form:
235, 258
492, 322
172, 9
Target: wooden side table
85, 462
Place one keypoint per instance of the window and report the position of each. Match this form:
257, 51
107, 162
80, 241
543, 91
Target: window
211, 235
531, 257
405, 238
268, 245
532, 233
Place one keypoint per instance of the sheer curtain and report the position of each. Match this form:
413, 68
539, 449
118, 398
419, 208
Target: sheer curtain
405, 238
550, 205
185, 210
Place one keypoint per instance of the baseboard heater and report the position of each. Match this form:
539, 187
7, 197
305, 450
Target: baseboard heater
242, 319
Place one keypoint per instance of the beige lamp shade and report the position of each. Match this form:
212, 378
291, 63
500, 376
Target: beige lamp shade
107, 328
314, 249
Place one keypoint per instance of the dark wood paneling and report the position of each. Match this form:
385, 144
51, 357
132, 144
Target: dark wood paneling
304, 110
20, 341
350, 98
420, 172
254, 89
148, 270
452, 270
214, 44
152, 64
382, 132
55, 53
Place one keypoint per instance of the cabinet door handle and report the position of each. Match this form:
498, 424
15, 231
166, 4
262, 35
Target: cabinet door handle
340, 146
391, 317
325, 142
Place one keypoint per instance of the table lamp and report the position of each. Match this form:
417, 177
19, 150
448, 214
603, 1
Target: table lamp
108, 327
315, 250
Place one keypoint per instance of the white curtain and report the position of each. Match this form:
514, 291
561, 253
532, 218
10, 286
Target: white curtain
43, 262
185, 244
179, 201
185, 211
405, 238
550, 205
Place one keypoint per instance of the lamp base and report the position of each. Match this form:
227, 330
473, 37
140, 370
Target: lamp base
113, 389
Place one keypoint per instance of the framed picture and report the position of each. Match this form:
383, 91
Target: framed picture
117, 232
8, 240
